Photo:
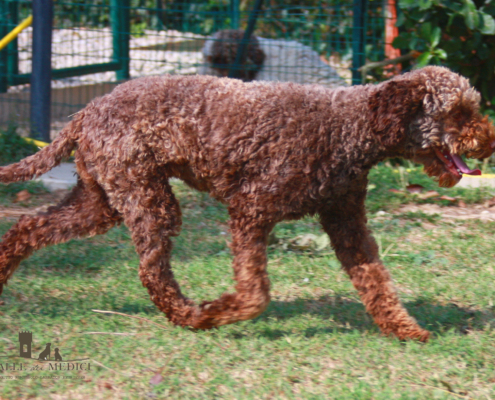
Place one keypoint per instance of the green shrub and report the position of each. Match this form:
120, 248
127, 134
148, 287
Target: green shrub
13, 147
456, 33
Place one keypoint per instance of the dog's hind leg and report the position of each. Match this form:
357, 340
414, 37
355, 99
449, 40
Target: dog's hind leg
250, 236
84, 212
345, 223
152, 214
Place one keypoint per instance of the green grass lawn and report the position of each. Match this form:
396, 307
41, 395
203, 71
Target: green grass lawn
314, 341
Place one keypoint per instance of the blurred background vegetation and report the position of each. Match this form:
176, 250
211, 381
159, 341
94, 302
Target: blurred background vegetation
456, 33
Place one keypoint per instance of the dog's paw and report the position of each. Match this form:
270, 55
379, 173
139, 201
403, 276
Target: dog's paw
204, 318
419, 334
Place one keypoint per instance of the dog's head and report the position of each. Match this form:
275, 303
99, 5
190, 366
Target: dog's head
432, 117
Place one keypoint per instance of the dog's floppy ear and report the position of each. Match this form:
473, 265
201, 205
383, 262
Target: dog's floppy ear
434, 90
393, 105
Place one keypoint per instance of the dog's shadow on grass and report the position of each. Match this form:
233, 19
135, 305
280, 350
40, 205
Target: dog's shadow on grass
334, 314
346, 315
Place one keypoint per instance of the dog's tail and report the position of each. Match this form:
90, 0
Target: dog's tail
45, 159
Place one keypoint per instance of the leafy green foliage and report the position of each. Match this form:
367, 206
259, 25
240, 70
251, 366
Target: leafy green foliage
13, 147
456, 33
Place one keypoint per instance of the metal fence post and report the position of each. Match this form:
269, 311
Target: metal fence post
240, 57
236, 14
358, 39
42, 70
120, 21
12, 48
4, 29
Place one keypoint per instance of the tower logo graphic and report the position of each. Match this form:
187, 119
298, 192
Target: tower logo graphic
25, 340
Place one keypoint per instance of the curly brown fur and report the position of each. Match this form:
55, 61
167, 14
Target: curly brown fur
271, 152
224, 51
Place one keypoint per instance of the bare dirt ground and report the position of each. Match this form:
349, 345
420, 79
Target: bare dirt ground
484, 212
32, 205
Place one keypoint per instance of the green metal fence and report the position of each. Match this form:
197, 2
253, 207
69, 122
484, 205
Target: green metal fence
99, 42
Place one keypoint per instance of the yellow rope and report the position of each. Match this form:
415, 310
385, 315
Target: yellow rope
483, 176
40, 144
36, 142
13, 34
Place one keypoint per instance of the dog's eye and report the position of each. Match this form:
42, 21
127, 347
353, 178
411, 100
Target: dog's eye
459, 115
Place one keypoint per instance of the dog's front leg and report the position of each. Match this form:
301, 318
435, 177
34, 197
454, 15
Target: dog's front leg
249, 241
345, 223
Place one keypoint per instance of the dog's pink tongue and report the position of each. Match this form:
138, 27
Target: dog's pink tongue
459, 163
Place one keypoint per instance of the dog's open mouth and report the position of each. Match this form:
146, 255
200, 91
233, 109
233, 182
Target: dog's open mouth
455, 164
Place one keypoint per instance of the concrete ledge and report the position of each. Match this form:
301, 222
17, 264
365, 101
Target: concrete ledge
485, 180
62, 177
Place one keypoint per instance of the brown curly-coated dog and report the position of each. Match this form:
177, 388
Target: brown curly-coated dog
223, 53
271, 152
